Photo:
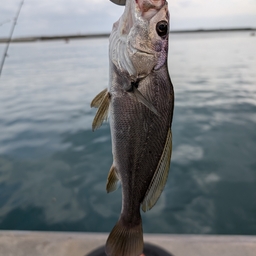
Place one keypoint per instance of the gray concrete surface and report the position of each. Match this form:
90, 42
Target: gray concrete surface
23, 243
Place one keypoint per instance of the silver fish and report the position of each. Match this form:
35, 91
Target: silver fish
139, 103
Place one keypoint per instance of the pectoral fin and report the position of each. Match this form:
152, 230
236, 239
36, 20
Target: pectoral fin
119, 2
144, 101
160, 177
101, 101
112, 180
98, 99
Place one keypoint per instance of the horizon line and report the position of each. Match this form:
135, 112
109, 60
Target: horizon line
102, 35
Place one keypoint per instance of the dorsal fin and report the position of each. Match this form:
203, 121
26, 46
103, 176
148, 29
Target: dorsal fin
118, 2
159, 179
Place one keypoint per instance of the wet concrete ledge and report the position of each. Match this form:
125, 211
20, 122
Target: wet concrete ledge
26, 243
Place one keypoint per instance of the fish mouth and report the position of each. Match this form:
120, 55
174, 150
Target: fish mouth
148, 8
149, 3
138, 9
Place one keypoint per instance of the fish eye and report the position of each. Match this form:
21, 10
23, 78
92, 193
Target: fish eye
162, 28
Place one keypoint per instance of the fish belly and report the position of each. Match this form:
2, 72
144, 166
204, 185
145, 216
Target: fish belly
139, 136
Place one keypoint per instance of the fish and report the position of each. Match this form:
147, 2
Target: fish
139, 104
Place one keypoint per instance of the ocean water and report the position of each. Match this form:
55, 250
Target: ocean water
53, 168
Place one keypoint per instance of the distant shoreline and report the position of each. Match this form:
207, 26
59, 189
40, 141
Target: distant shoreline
104, 35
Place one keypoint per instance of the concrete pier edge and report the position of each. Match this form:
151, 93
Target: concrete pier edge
33, 243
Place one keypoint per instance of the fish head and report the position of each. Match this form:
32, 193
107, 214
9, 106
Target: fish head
148, 38
144, 32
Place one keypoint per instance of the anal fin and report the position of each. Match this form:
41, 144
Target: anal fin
159, 179
112, 180
101, 101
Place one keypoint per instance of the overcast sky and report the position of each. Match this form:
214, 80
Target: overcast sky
50, 17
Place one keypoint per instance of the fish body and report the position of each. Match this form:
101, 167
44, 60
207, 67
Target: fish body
139, 102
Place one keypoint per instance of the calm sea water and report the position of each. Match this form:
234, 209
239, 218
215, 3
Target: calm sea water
53, 168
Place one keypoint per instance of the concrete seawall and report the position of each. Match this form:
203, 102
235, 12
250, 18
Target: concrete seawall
26, 243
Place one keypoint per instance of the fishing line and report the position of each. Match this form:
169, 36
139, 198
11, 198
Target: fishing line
10, 36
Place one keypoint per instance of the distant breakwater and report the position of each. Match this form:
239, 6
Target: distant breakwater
104, 35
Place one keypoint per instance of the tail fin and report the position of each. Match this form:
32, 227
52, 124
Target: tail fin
125, 241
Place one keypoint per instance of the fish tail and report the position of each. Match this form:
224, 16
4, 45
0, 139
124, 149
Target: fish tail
125, 240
